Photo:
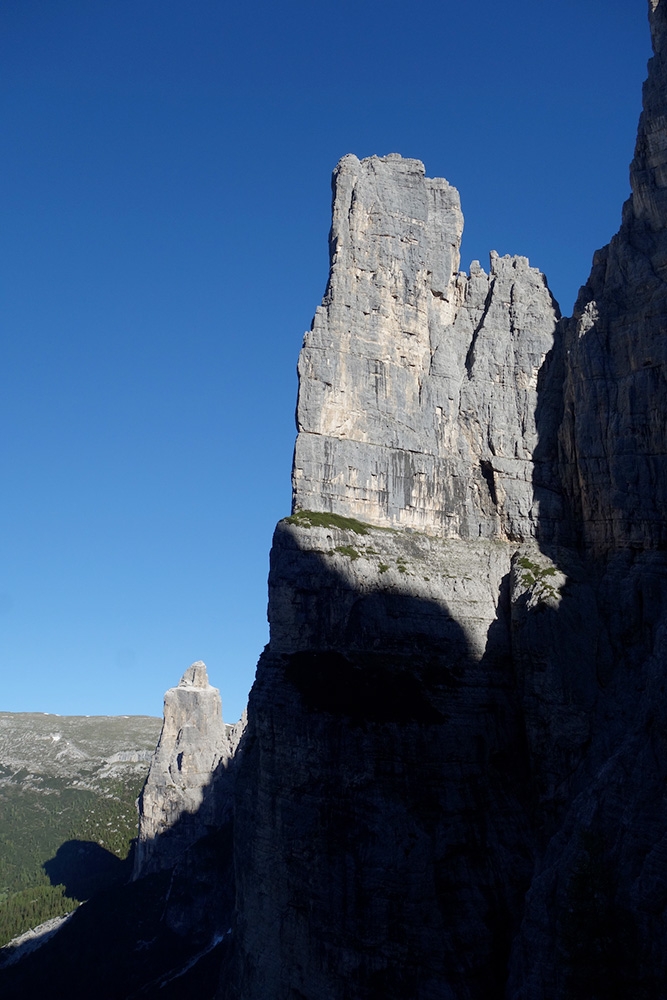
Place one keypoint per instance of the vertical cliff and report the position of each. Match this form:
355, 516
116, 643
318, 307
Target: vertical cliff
454, 769
452, 784
596, 915
613, 434
417, 383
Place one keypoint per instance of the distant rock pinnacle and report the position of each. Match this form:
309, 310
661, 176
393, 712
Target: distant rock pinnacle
180, 799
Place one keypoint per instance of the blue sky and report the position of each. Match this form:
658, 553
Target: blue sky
165, 198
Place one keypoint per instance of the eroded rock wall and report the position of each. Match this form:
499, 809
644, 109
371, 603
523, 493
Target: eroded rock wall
596, 914
613, 435
385, 844
417, 383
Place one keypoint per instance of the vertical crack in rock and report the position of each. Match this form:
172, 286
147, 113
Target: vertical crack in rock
470, 356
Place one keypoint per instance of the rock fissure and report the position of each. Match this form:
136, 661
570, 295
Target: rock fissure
470, 356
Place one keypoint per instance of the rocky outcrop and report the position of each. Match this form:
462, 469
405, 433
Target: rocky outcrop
381, 793
165, 932
385, 805
596, 914
187, 793
452, 779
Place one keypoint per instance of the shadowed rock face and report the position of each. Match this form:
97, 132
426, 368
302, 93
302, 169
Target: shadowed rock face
455, 762
383, 792
613, 435
384, 809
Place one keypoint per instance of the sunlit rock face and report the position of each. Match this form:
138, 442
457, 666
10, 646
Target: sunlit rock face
181, 801
418, 384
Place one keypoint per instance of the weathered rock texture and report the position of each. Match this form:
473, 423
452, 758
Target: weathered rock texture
454, 770
595, 918
418, 384
186, 794
380, 801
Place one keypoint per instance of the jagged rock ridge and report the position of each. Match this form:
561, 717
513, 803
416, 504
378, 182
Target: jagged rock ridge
452, 779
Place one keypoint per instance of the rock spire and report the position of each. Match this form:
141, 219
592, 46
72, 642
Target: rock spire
185, 793
418, 384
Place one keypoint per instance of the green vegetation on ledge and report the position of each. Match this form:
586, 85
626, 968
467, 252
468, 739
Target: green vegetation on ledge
538, 578
347, 550
323, 519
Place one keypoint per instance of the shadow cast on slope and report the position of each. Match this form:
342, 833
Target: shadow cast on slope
85, 868
161, 936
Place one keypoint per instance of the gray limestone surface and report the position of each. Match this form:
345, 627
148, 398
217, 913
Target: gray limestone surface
451, 785
384, 785
417, 383
378, 801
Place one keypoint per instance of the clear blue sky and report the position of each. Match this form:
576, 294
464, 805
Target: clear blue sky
165, 200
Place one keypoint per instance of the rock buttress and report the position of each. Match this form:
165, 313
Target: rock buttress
454, 782
595, 918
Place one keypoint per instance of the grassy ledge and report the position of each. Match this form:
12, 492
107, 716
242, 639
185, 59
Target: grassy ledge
323, 519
